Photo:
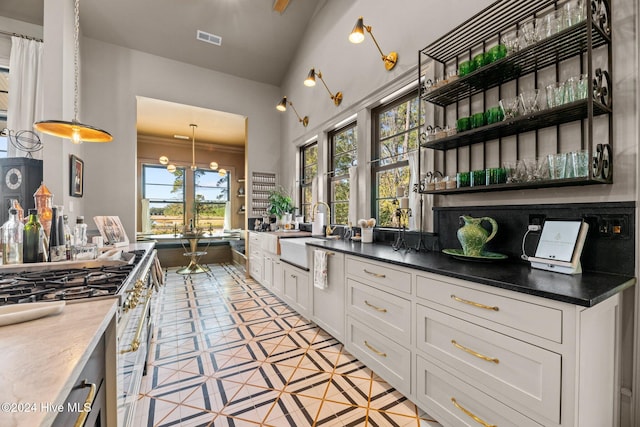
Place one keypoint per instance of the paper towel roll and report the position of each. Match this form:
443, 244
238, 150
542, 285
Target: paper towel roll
316, 227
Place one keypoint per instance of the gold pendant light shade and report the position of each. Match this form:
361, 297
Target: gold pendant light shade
75, 131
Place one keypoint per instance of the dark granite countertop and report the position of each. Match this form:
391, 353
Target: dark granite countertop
586, 289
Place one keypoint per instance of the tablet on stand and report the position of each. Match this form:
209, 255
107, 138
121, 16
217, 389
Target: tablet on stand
560, 246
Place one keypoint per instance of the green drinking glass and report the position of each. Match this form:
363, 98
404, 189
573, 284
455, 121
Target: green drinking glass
463, 124
478, 120
465, 68
463, 179
480, 60
497, 52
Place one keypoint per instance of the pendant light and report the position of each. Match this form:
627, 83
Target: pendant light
164, 160
74, 130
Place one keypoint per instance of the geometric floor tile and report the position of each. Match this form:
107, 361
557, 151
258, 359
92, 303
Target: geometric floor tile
227, 352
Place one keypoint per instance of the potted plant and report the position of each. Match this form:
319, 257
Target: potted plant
280, 203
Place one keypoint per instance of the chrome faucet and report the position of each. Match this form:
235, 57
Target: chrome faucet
314, 210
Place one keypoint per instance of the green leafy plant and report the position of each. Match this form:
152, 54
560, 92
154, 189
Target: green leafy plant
280, 202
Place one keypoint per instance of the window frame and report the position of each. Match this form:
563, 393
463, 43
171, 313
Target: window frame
223, 203
303, 185
331, 176
145, 167
4, 148
376, 142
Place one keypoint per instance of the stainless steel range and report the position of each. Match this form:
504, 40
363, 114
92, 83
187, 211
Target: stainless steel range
132, 279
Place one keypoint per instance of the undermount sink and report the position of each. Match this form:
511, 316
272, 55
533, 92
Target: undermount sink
295, 250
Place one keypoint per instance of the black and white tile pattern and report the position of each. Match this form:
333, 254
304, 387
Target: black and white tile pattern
226, 352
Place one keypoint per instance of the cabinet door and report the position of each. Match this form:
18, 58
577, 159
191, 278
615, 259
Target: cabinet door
296, 289
328, 304
267, 271
278, 278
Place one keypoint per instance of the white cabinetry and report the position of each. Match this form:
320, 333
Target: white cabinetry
328, 304
296, 288
513, 359
379, 319
256, 261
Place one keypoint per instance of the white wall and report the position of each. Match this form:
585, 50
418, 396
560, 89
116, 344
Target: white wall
358, 72
112, 78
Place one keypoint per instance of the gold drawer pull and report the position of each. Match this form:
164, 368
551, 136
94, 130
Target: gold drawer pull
471, 415
87, 404
476, 354
475, 304
374, 274
378, 352
331, 253
381, 310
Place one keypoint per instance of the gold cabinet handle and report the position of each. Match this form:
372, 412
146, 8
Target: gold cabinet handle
474, 353
475, 304
471, 414
381, 310
374, 274
87, 404
331, 253
378, 352
135, 344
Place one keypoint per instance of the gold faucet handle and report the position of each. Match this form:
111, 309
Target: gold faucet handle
328, 230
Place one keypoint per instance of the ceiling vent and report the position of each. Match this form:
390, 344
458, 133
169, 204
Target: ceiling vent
209, 38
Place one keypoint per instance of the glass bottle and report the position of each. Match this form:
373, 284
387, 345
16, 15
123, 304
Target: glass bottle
80, 232
31, 242
54, 232
43, 198
12, 237
67, 236
61, 237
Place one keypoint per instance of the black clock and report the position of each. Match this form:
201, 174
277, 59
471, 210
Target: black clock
20, 177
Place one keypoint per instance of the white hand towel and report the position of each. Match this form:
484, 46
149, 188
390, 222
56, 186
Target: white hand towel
320, 269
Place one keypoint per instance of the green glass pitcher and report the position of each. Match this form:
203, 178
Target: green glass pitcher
473, 236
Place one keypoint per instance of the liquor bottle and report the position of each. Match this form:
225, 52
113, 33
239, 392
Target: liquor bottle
31, 237
55, 252
61, 231
12, 237
67, 236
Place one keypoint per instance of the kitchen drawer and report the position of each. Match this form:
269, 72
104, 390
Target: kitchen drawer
382, 311
255, 245
384, 356
453, 402
381, 274
536, 319
524, 374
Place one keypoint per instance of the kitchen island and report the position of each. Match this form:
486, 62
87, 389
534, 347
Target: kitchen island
43, 362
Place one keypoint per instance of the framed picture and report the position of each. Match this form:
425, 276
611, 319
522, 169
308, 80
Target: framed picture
111, 230
76, 176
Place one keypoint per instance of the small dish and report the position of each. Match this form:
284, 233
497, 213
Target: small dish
356, 238
485, 257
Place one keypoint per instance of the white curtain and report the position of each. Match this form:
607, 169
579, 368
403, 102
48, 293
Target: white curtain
227, 216
353, 195
414, 199
25, 89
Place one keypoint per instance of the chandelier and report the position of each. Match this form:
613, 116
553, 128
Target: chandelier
164, 160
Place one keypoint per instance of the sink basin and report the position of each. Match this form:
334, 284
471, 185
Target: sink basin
295, 250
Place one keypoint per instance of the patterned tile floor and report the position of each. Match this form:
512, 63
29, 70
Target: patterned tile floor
227, 352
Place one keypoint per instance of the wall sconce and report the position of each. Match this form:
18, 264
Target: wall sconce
282, 106
357, 36
310, 81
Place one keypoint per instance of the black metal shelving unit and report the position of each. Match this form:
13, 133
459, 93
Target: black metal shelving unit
477, 35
